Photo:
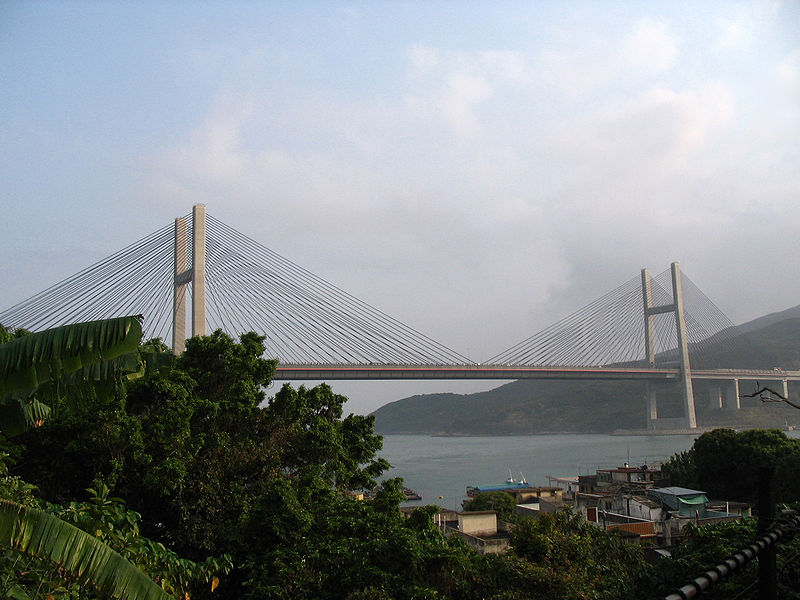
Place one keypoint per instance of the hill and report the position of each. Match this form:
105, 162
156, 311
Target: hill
550, 406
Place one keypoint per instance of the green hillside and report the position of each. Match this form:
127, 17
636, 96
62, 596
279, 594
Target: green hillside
543, 406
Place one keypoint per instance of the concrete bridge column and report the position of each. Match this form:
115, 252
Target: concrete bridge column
184, 275
714, 396
181, 278
732, 401
198, 270
676, 308
652, 405
683, 348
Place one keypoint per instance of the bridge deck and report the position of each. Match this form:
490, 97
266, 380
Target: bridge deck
303, 372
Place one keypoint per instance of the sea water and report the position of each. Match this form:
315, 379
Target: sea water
440, 468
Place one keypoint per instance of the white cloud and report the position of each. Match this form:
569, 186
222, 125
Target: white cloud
452, 86
650, 47
739, 29
460, 100
646, 50
788, 75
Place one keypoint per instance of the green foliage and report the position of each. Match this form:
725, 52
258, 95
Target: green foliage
207, 447
14, 489
500, 502
706, 546
81, 557
313, 435
43, 357
578, 556
307, 542
40, 546
109, 520
48, 362
725, 463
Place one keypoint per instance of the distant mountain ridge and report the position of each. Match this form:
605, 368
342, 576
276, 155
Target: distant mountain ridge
555, 406
770, 319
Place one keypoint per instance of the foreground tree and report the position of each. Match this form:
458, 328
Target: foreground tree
195, 449
500, 502
725, 464
580, 559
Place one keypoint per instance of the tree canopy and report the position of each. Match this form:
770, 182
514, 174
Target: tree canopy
725, 463
209, 487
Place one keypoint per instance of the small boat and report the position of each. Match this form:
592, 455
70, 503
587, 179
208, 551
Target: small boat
511, 479
510, 484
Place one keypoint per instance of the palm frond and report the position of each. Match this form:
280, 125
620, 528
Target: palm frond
34, 532
29, 361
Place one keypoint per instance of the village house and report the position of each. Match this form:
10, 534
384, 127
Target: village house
480, 529
632, 499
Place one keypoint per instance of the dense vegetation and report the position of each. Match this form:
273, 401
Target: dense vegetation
725, 464
198, 481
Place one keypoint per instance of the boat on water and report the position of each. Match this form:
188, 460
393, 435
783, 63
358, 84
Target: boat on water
510, 484
511, 479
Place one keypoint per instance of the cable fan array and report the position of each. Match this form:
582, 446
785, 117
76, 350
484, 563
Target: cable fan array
308, 320
134, 280
248, 288
305, 318
610, 330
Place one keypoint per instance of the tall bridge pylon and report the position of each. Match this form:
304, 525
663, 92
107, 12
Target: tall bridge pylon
676, 307
183, 275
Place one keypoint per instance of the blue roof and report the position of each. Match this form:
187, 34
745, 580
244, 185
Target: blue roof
677, 491
501, 487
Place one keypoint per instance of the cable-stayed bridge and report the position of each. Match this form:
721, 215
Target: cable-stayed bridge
658, 329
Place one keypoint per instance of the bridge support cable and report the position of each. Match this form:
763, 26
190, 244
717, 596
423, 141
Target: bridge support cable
315, 316
609, 331
297, 322
583, 338
307, 320
130, 281
298, 310
81, 293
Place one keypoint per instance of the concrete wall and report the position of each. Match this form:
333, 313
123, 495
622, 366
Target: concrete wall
480, 523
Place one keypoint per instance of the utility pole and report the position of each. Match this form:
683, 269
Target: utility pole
767, 561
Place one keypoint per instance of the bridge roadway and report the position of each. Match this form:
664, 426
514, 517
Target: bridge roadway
323, 372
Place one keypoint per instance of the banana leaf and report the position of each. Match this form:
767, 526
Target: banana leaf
49, 362
18, 416
46, 356
34, 532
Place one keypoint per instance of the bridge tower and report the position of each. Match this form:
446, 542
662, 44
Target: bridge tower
683, 346
184, 275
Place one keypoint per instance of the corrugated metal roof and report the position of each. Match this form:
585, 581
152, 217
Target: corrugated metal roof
677, 491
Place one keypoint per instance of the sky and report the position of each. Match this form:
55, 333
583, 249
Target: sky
476, 170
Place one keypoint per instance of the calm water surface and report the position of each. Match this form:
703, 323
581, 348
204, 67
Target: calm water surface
444, 466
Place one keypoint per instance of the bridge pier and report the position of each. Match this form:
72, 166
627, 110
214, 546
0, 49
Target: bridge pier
181, 276
732, 400
714, 396
723, 394
652, 405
